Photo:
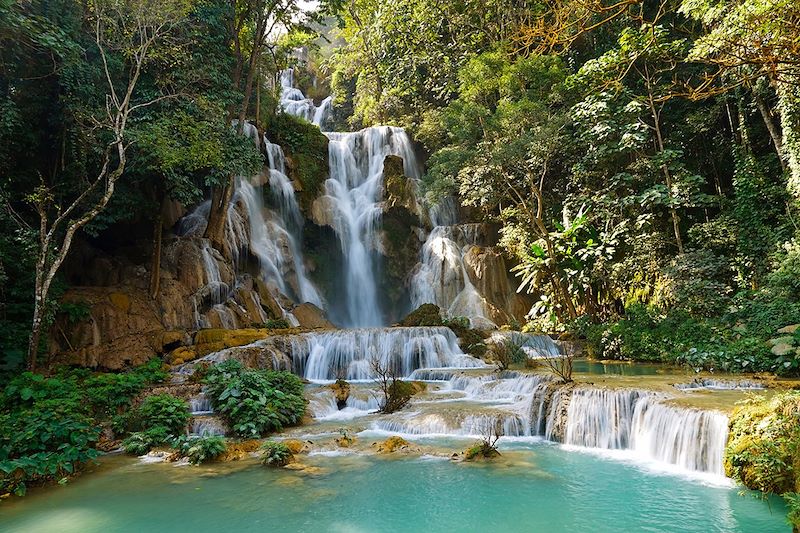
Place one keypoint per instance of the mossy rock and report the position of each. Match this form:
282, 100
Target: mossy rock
306, 150
296, 446
182, 354
424, 315
120, 300
227, 338
393, 444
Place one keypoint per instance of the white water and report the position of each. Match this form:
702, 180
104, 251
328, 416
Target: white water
720, 384
354, 192
441, 276
348, 354
294, 102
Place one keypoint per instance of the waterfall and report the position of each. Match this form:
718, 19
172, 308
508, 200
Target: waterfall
294, 102
720, 384
640, 421
441, 276
348, 353
689, 438
354, 189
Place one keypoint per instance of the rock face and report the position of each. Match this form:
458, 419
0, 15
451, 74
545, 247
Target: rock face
488, 272
114, 322
311, 317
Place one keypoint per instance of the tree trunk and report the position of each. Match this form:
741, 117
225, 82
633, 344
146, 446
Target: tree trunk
789, 108
217, 214
667, 175
772, 128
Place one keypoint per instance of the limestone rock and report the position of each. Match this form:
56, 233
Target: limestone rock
311, 317
789, 330
782, 349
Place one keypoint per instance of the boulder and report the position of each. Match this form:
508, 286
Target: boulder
789, 330
782, 348
311, 317
424, 315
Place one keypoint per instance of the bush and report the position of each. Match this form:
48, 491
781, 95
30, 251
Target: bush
276, 454
163, 410
43, 442
276, 323
49, 425
507, 352
255, 402
141, 442
202, 449
763, 451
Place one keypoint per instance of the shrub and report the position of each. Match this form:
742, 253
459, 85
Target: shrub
141, 442
276, 323
43, 442
276, 454
163, 410
763, 451
255, 402
507, 352
201, 449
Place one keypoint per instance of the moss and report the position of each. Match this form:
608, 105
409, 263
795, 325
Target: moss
763, 448
392, 444
306, 150
424, 315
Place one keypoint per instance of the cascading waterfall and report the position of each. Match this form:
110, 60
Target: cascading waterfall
640, 421
294, 102
348, 353
354, 189
441, 276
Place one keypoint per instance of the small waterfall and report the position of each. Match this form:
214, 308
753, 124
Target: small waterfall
601, 418
640, 421
689, 438
354, 189
441, 276
200, 405
327, 355
206, 426
720, 384
294, 102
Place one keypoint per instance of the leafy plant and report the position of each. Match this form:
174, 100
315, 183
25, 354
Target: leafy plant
141, 442
276, 454
276, 323
164, 410
255, 402
202, 449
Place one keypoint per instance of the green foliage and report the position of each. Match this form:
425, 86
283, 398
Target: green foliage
306, 149
49, 425
255, 402
276, 454
276, 323
763, 450
201, 449
141, 442
507, 352
165, 411
696, 282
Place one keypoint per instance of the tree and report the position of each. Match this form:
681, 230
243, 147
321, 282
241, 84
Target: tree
253, 24
133, 31
748, 39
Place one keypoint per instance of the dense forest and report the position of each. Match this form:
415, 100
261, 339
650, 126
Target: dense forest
639, 161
